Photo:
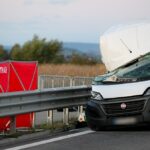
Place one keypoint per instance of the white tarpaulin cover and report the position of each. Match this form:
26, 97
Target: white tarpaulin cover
123, 44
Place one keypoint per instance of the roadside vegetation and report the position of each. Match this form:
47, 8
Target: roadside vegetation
72, 70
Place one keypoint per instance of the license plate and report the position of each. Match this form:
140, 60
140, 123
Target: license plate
125, 121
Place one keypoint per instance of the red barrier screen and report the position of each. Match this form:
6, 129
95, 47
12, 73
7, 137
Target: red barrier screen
18, 76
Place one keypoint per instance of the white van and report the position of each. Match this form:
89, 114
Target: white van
122, 96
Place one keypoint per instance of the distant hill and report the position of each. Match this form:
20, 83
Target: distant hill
7, 47
91, 49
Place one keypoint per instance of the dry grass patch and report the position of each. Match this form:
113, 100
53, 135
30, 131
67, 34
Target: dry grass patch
72, 70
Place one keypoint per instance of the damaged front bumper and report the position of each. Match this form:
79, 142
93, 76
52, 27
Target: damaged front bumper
118, 111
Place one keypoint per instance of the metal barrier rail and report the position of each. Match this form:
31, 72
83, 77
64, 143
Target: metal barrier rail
51, 81
12, 104
54, 81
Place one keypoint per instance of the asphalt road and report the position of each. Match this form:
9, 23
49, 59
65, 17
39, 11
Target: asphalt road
111, 139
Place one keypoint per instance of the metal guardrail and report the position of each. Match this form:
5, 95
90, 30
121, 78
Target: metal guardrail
55, 81
51, 81
12, 104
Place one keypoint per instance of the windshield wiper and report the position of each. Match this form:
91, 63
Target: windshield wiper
126, 80
112, 78
120, 80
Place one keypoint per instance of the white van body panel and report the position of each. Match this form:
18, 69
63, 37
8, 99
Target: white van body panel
121, 90
124, 43
125, 91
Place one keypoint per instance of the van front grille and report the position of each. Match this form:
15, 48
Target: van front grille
129, 107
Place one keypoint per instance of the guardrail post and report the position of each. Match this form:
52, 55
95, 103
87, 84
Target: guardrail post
33, 120
13, 124
81, 117
53, 83
73, 82
83, 83
50, 118
63, 82
41, 82
80, 109
66, 116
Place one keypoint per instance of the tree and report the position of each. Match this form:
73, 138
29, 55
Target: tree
3, 53
51, 51
16, 53
81, 58
39, 50
43, 51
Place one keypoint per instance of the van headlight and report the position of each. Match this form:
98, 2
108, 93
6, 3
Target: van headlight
147, 92
96, 96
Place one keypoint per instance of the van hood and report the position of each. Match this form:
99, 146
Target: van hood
123, 44
122, 90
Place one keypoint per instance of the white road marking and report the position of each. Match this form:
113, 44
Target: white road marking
50, 140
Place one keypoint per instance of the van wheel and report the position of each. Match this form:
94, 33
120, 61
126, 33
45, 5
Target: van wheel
96, 127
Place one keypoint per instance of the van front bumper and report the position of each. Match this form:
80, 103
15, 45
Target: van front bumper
110, 112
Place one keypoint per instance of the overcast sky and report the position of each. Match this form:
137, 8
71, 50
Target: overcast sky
66, 20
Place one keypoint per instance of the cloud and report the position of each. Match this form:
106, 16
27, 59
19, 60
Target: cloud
73, 20
51, 2
60, 1
28, 2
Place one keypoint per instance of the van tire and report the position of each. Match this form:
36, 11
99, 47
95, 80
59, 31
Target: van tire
96, 127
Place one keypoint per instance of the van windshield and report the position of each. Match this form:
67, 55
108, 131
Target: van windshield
138, 70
